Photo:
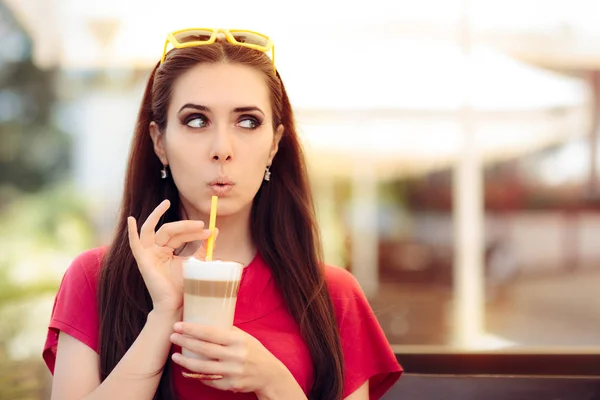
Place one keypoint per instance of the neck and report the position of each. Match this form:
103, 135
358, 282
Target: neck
234, 242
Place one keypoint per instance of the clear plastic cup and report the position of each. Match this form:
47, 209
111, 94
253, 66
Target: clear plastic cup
210, 293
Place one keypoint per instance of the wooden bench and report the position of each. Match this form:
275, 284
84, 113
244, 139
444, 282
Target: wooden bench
498, 376
488, 387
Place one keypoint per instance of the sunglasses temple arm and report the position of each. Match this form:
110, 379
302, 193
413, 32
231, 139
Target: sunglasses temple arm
164, 54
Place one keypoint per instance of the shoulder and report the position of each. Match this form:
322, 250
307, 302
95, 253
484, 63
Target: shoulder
86, 266
346, 294
90, 260
341, 283
81, 278
367, 353
74, 310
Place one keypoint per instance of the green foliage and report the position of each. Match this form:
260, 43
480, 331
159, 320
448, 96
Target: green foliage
23, 380
44, 224
33, 152
39, 235
48, 223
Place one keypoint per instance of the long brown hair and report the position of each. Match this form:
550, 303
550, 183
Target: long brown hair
284, 228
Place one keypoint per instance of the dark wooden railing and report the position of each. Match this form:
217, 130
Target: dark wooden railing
498, 376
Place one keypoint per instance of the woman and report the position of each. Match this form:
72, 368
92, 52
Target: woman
215, 119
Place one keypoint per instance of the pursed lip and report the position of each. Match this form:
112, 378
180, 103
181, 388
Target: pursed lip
221, 182
221, 186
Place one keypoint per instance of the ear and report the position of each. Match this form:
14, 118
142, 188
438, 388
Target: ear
275, 146
159, 143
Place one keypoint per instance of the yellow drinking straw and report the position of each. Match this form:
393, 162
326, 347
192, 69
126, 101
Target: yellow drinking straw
211, 225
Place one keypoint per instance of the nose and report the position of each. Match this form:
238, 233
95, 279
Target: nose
222, 148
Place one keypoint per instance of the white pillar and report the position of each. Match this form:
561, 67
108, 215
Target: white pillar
364, 232
468, 215
593, 81
332, 235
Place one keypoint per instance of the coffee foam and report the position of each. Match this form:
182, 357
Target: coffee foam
212, 270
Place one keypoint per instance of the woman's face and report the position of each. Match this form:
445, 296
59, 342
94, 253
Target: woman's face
219, 137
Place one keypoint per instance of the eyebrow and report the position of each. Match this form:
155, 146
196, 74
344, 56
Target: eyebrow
200, 107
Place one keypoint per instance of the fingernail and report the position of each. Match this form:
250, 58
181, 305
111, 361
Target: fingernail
178, 327
176, 357
175, 337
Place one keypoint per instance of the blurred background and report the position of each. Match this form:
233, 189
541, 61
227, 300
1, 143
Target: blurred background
453, 148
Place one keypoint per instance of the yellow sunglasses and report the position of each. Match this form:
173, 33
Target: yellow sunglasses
204, 36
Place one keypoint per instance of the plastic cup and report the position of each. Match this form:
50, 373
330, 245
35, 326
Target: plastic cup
210, 293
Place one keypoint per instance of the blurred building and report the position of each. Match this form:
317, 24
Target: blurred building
404, 112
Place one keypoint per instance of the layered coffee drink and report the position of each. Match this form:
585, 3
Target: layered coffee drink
210, 293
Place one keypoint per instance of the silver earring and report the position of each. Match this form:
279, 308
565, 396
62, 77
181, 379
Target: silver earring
163, 172
267, 173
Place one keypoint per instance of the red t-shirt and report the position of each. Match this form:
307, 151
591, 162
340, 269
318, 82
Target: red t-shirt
260, 311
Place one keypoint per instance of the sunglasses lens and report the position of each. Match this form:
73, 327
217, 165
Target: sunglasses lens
193, 36
250, 38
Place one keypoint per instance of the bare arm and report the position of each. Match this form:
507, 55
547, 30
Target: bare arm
362, 393
288, 388
136, 376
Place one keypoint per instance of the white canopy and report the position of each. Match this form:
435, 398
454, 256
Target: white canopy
361, 85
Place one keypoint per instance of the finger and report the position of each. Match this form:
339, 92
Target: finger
147, 231
202, 377
167, 231
200, 254
134, 239
200, 347
206, 333
200, 366
220, 384
177, 241
232, 384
